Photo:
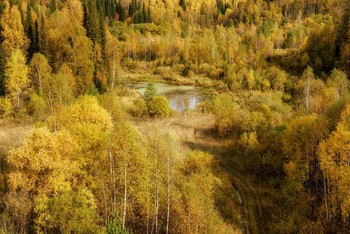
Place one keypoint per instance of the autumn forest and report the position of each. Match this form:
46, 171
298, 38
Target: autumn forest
174, 116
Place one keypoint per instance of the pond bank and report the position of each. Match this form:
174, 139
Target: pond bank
181, 98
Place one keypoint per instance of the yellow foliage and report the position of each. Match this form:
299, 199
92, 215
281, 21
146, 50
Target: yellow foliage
334, 154
86, 110
70, 45
43, 166
6, 108
16, 77
12, 30
74, 10
249, 141
197, 184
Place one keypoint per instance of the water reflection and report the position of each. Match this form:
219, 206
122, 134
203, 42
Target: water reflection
182, 101
180, 98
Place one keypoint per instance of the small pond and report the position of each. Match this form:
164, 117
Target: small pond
181, 98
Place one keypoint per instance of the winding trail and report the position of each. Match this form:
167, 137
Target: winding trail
251, 207
243, 222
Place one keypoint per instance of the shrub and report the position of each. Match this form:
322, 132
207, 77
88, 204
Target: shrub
161, 70
158, 106
217, 74
165, 72
255, 121
131, 64
114, 225
204, 68
277, 78
179, 68
140, 108
228, 115
112, 103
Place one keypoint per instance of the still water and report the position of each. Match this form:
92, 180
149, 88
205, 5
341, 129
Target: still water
181, 98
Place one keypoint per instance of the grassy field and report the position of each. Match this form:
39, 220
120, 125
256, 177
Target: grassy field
166, 75
193, 129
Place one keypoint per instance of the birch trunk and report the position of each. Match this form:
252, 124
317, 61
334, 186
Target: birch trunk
168, 185
125, 193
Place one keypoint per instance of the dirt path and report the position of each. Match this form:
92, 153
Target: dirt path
251, 205
243, 219
196, 131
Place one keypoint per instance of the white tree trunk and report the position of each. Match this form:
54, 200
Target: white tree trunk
168, 185
307, 93
157, 209
112, 174
40, 83
113, 71
125, 193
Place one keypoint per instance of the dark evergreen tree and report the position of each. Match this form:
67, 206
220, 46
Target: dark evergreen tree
36, 37
2, 68
183, 4
84, 4
131, 11
343, 28
32, 3
20, 8
14, 2
1, 7
43, 46
222, 7
53, 6
2, 59
135, 5
93, 20
109, 8
144, 14
28, 28
106, 4
28, 21
120, 10
102, 32
137, 13
343, 41
149, 15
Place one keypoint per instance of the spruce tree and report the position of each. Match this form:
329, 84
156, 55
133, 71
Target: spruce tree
28, 27
92, 20
21, 11
43, 46
183, 4
144, 14
36, 37
1, 7
131, 10
53, 6
149, 15
2, 69
120, 10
